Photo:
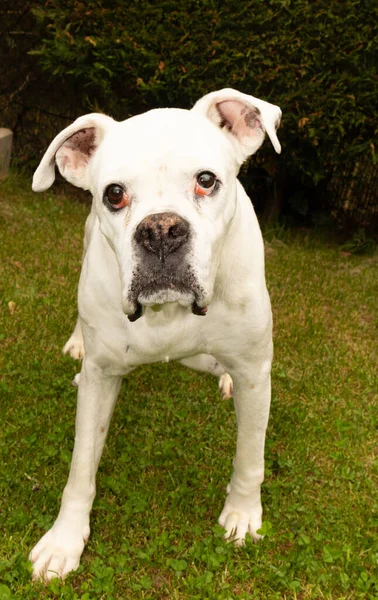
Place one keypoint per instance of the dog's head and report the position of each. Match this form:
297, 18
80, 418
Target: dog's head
164, 188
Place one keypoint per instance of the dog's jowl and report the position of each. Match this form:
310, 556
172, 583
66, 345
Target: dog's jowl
173, 265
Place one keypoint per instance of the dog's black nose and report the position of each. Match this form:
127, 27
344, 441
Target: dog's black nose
162, 233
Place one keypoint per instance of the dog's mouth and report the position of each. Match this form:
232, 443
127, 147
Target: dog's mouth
137, 314
195, 308
156, 289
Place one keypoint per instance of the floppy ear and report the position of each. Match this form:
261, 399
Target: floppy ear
72, 150
244, 119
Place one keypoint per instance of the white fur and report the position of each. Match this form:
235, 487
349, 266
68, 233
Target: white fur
156, 157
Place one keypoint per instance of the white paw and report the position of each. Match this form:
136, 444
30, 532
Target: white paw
76, 380
240, 517
226, 387
57, 553
74, 347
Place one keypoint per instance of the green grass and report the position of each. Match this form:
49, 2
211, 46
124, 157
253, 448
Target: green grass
162, 478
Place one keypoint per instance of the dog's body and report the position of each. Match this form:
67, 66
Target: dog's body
173, 269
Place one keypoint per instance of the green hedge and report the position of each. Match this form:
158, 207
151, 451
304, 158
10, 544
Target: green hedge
316, 59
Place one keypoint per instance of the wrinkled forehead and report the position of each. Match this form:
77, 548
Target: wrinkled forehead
176, 140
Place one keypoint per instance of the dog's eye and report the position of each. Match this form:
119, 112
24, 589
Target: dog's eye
206, 183
116, 196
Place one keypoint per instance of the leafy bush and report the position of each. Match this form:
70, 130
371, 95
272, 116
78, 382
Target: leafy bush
315, 59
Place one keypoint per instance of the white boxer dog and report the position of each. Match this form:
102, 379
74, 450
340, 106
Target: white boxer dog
173, 269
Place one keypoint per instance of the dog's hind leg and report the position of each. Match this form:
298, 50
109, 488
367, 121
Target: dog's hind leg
75, 345
209, 364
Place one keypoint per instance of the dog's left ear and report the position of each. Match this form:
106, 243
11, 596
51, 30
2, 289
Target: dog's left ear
72, 151
243, 118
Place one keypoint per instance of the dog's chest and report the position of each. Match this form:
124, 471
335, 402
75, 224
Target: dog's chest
170, 334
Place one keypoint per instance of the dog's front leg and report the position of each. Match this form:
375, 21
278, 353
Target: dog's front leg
59, 550
242, 512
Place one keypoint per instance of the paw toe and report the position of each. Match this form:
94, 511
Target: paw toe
238, 522
75, 348
226, 386
55, 556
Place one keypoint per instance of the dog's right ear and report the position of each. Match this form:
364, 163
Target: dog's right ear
72, 150
243, 119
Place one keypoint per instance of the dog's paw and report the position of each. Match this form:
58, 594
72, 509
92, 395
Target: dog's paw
76, 380
239, 518
57, 553
226, 386
74, 347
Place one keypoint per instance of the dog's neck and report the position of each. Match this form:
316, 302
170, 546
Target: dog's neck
234, 267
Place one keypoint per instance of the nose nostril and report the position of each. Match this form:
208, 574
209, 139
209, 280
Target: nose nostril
144, 236
175, 231
179, 229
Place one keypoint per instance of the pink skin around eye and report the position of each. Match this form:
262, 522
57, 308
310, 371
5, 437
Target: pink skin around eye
124, 201
200, 191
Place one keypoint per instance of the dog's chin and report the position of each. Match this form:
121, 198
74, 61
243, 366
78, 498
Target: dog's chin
157, 299
161, 297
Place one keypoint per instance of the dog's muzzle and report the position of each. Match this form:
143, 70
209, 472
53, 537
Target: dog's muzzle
162, 244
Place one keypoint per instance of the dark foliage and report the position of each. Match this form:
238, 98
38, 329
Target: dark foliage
315, 59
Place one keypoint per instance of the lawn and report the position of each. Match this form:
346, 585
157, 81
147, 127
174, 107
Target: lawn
162, 478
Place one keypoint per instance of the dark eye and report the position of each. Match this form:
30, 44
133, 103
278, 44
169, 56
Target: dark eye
206, 183
116, 196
